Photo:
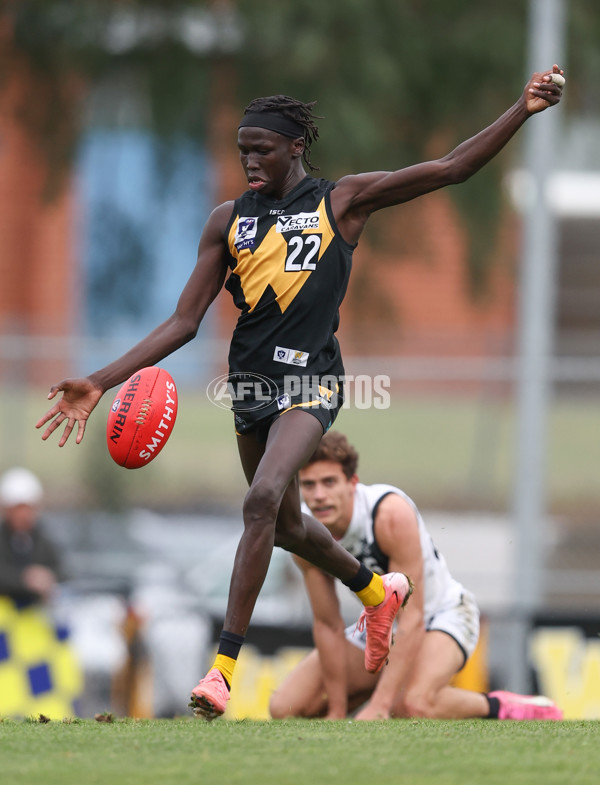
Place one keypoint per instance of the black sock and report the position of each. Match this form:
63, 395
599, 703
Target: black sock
227, 654
361, 580
494, 705
230, 644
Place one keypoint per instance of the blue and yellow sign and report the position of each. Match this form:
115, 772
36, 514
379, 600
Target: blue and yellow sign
39, 673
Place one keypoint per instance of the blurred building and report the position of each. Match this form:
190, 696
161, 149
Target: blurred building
38, 265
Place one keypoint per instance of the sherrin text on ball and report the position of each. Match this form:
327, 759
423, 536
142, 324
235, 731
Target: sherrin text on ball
141, 417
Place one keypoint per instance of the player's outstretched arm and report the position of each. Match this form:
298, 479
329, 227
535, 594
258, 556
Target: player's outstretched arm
328, 635
80, 396
357, 196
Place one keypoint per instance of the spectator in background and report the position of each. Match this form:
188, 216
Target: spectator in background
29, 562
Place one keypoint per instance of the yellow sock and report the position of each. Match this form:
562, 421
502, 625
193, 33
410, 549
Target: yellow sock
226, 666
374, 593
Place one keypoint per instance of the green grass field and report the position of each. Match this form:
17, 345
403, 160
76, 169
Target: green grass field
296, 752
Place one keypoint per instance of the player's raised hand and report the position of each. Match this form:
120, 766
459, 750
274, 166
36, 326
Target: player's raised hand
79, 398
544, 89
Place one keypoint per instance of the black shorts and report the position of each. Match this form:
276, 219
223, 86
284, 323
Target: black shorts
323, 403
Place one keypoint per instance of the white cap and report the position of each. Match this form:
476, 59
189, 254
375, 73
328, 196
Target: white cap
20, 486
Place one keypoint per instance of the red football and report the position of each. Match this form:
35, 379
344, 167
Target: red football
141, 417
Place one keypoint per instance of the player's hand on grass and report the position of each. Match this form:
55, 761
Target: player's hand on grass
373, 712
541, 91
335, 715
79, 398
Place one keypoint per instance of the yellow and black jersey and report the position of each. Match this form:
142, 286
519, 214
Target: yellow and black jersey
289, 273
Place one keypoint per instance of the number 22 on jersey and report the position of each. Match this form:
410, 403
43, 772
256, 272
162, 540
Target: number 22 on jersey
302, 253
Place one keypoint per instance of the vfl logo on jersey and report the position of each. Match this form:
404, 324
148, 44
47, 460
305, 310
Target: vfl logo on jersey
245, 233
297, 223
291, 356
283, 402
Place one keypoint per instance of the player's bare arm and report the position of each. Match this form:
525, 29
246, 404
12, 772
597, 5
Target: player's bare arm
328, 634
80, 396
397, 534
355, 197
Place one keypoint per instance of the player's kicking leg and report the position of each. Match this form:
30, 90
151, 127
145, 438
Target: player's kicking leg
379, 619
272, 514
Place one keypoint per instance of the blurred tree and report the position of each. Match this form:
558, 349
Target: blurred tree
398, 82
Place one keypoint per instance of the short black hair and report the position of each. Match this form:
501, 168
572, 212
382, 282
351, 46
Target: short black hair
296, 110
335, 447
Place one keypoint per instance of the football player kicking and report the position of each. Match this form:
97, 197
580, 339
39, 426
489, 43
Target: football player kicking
285, 247
435, 634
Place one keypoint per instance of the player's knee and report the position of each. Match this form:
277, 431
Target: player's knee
419, 704
279, 706
261, 503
